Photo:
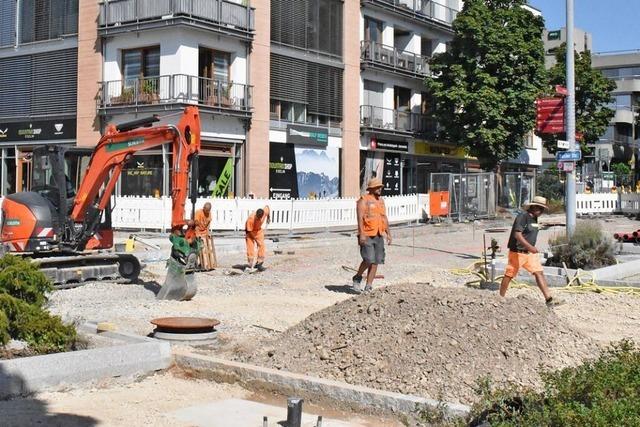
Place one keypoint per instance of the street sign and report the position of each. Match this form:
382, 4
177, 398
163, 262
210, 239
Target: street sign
550, 115
563, 144
561, 90
569, 156
567, 166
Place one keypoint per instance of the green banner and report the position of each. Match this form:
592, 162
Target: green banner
224, 180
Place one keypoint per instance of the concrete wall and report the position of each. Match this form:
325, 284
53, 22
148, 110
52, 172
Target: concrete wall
89, 73
257, 148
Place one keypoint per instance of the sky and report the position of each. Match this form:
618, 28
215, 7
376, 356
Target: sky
613, 24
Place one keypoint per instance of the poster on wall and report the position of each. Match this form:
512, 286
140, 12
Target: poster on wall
318, 172
283, 183
391, 175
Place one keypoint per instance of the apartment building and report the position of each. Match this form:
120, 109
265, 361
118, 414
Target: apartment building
38, 83
397, 39
621, 139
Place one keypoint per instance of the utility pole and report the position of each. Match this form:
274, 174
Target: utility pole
570, 118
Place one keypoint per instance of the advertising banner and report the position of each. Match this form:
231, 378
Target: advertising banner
283, 182
38, 130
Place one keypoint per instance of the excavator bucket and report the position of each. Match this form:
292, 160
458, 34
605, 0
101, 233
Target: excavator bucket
179, 283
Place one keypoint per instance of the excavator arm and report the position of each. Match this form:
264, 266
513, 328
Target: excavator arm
115, 148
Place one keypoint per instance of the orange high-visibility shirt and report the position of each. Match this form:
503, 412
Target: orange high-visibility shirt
374, 222
253, 226
202, 223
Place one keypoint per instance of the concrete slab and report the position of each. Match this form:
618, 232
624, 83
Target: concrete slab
618, 271
287, 383
27, 375
239, 412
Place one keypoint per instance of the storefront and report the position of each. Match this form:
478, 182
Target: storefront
304, 162
17, 141
405, 165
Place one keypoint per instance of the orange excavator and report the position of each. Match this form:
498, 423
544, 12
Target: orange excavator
70, 234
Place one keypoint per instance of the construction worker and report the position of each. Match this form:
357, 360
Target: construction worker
373, 227
523, 252
254, 235
207, 258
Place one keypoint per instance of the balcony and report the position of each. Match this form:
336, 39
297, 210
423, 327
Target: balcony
172, 92
389, 121
422, 11
222, 16
390, 59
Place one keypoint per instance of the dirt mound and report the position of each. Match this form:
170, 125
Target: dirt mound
428, 341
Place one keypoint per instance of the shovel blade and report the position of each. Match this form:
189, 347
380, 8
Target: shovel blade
179, 285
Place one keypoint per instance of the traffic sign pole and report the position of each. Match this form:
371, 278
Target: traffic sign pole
570, 196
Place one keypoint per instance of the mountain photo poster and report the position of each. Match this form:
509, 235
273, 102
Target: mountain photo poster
318, 172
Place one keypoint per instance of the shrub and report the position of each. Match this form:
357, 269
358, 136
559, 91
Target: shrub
588, 249
602, 392
549, 185
23, 291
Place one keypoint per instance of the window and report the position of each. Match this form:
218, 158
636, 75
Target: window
7, 22
402, 98
308, 24
140, 63
288, 111
426, 46
47, 19
372, 30
373, 92
623, 101
214, 64
142, 176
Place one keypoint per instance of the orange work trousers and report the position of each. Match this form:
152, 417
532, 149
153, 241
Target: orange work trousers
253, 240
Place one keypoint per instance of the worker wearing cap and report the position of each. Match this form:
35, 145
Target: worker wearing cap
522, 249
254, 236
373, 227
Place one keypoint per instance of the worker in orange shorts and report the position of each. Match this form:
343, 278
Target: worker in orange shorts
523, 252
254, 235
202, 220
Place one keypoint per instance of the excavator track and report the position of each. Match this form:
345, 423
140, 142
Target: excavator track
70, 271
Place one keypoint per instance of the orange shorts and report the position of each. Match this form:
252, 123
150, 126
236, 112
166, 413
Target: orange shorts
530, 262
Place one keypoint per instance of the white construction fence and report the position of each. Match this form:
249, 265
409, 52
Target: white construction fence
148, 213
607, 203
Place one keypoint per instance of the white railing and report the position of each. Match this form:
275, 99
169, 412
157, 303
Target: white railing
596, 203
150, 213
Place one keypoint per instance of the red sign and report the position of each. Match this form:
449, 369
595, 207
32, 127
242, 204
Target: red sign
561, 90
550, 115
579, 136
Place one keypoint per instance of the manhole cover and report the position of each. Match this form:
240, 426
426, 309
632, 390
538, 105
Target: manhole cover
185, 329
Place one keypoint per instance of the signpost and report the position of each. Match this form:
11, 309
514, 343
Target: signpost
550, 115
563, 144
569, 156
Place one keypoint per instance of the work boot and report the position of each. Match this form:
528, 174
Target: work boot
260, 267
368, 288
554, 302
357, 283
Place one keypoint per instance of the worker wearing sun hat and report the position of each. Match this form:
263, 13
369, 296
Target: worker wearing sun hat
373, 227
522, 249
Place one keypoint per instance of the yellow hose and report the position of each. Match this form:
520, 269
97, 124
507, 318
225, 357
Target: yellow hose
582, 282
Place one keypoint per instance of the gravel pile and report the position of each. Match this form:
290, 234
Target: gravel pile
428, 341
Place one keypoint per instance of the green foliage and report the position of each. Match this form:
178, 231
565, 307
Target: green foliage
23, 291
588, 249
593, 95
622, 172
484, 87
602, 392
21, 279
549, 185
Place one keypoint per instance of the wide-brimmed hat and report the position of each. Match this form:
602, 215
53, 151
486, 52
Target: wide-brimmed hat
538, 201
374, 183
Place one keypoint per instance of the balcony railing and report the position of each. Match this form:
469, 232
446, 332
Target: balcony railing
176, 89
392, 59
233, 17
421, 10
394, 121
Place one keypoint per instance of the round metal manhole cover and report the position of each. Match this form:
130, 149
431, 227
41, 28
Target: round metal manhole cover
185, 325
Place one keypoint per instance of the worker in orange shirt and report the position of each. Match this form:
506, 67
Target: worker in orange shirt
202, 220
254, 236
373, 228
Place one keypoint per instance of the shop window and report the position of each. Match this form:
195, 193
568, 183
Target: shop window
142, 176
139, 64
216, 174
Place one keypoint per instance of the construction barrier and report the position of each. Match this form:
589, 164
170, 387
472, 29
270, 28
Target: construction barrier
148, 213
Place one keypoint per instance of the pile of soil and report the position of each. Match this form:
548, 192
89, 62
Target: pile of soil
428, 341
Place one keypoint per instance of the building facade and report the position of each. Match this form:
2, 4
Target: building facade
620, 142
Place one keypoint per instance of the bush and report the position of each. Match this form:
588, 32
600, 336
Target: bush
23, 291
602, 392
588, 249
549, 185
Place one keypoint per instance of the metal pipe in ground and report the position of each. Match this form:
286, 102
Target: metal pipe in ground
294, 412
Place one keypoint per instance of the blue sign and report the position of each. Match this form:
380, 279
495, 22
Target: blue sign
569, 156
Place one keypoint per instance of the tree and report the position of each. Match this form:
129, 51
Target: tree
485, 86
622, 172
593, 95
